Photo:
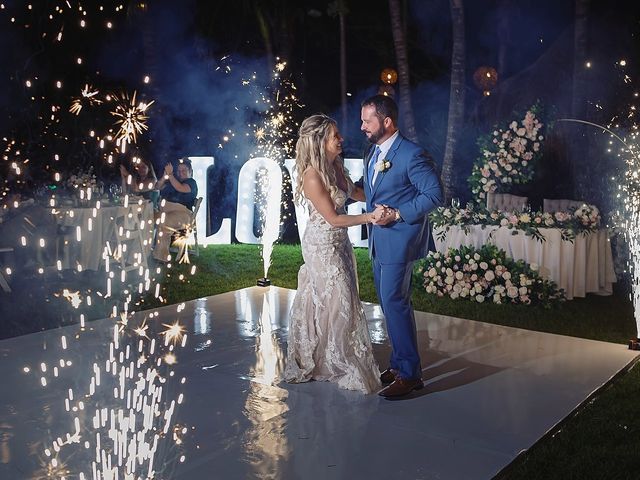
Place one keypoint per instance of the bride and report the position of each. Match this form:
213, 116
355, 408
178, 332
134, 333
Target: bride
328, 335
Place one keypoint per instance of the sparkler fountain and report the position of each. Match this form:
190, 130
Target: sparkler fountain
117, 417
275, 140
629, 192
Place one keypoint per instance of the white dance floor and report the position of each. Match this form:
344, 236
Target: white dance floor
90, 403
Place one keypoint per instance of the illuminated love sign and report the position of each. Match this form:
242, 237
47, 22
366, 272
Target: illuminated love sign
271, 173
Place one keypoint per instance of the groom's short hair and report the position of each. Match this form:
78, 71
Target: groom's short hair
385, 107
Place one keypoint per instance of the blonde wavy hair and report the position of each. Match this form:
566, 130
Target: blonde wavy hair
311, 153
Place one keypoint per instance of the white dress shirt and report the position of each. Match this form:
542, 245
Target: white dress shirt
384, 149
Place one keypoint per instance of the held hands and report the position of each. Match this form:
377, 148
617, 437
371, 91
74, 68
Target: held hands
383, 214
376, 215
168, 169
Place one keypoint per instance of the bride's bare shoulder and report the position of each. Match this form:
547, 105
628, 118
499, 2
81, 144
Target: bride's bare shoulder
311, 178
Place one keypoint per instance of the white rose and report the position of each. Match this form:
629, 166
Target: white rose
483, 265
432, 272
474, 277
454, 295
512, 292
459, 275
534, 267
457, 258
479, 298
489, 275
464, 292
506, 275
448, 280
523, 290
476, 257
496, 298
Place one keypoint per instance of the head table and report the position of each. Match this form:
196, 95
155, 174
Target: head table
89, 229
582, 266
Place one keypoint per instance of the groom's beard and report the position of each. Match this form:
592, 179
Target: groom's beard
377, 135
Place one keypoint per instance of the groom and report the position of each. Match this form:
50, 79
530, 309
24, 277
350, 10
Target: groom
401, 176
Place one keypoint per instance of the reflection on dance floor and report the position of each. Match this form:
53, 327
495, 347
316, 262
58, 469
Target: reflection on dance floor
193, 389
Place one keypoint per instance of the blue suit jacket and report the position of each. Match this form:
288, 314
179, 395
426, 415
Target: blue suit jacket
412, 185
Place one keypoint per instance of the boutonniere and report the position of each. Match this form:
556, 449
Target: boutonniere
382, 165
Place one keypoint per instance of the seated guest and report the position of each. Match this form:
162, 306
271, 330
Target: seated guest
178, 195
141, 181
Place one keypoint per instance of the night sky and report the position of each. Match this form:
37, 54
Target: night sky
197, 55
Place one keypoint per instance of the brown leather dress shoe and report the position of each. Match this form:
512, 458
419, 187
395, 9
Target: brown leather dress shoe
388, 376
401, 387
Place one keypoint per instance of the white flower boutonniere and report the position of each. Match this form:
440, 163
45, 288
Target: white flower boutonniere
382, 165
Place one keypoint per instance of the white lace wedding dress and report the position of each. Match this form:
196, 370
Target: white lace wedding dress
328, 335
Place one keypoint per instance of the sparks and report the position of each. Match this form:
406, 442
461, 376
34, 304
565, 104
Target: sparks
141, 330
173, 333
73, 297
132, 118
88, 97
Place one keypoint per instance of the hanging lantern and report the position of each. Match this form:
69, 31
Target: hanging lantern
387, 91
389, 76
485, 78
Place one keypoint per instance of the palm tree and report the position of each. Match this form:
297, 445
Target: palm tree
339, 8
400, 44
456, 99
579, 145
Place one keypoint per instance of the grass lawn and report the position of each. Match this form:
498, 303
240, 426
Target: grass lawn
599, 441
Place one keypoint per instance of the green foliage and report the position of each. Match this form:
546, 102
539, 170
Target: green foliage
485, 274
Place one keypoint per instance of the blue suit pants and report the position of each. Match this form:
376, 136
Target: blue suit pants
393, 284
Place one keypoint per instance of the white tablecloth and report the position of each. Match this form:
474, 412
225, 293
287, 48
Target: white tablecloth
97, 227
584, 266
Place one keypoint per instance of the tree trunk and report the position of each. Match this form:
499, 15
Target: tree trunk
338, 8
456, 100
504, 36
581, 37
343, 69
579, 145
266, 38
400, 45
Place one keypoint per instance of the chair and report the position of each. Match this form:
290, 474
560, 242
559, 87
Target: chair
506, 202
129, 240
192, 228
560, 205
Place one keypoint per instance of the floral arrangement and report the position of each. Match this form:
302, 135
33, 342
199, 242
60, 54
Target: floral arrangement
508, 157
83, 180
486, 274
588, 216
577, 221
